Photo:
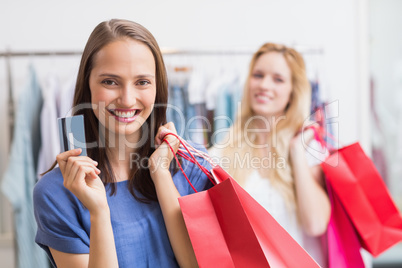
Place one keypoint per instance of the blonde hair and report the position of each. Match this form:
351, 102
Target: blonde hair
296, 113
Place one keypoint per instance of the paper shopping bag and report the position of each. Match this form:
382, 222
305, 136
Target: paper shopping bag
341, 237
364, 195
228, 228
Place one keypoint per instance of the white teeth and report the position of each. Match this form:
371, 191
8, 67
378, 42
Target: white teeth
124, 114
262, 97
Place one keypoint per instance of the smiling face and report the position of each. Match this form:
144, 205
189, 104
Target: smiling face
270, 85
123, 86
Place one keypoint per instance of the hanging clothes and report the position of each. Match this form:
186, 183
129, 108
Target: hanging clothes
48, 118
226, 94
11, 107
196, 129
57, 103
20, 176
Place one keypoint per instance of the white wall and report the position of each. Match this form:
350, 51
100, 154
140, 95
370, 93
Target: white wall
386, 72
334, 26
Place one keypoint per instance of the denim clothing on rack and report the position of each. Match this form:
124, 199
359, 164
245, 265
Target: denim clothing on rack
227, 100
176, 108
20, 177
237, 94
315, 96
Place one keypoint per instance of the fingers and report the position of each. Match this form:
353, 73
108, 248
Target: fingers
74, 167
78, 170
163, 150
310, 125
75, 163
78, 175
63, 157
162, 134
308, 135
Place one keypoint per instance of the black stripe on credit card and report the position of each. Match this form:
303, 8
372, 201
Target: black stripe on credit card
65, 142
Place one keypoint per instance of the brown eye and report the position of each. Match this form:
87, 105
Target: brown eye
257, 75
108, 82
143, 82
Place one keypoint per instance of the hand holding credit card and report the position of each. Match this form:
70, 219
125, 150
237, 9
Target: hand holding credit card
72, 133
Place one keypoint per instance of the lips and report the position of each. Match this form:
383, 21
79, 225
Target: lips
263, 98
125, 115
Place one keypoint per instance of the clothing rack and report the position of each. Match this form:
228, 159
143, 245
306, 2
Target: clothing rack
39, 53
8, 54
165, 51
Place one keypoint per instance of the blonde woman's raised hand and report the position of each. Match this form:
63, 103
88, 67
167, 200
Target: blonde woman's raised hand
303, 138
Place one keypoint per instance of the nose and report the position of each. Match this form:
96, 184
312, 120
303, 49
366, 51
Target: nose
267, 83
127, 97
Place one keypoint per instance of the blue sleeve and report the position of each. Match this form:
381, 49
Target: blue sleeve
63, 223
196, 176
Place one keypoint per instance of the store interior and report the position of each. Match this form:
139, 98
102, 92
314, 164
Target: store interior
352, 50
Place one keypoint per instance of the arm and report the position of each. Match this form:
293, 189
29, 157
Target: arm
81, 178
314, 207
168, 199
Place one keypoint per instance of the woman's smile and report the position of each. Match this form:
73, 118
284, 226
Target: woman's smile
125, 115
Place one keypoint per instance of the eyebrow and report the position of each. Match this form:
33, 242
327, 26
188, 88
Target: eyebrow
137, 76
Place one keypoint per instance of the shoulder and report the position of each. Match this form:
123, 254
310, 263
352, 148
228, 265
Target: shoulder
50, 182
62, 221
50, 191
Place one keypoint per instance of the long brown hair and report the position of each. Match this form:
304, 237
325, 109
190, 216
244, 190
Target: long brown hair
103, 34
295, 114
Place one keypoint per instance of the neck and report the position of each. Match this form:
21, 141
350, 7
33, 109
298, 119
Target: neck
121, 151
267, 127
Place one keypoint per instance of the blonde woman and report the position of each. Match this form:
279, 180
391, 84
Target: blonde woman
267, 152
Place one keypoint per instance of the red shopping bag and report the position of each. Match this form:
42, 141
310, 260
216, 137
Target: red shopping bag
364, 195
228, 228
342, 240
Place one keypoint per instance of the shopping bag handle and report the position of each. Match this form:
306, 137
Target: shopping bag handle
319, 134
190, 157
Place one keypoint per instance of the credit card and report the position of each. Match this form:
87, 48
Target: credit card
72, 133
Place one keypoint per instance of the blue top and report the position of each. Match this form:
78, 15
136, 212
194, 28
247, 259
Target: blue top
139, 230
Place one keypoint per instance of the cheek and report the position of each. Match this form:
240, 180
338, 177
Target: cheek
95, 96
286, 92
252, 84
251, 88
149, 98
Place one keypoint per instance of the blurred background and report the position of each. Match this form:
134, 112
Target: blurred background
352, 49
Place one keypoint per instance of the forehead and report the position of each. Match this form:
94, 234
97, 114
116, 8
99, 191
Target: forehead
125, 53
273, 62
